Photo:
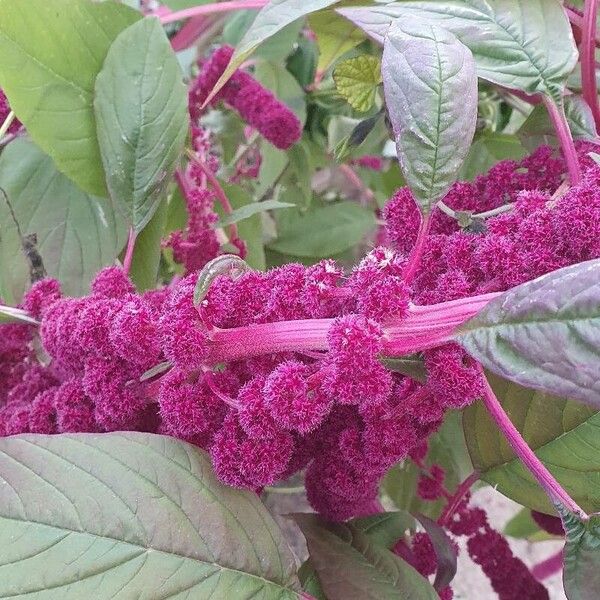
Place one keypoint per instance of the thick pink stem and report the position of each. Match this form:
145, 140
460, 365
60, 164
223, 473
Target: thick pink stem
210, 9
414, 260
548, 567
553, 489
559, 121
423, 328
129, 251
188, 34
587, 52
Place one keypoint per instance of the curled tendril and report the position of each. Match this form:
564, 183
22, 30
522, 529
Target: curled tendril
226, 264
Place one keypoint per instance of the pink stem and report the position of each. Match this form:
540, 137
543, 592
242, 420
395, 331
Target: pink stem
223, 201
366, 194
576, 20
414, 333
461, 491
414, 260
587, 52
553, 489
188, 34
210, 9
548, 567
129, 252
559, 120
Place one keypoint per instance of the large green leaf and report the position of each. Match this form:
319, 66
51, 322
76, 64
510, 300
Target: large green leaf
77, 234
581, 575
351, 566
50, 54
141, 112
538, 129
431, 96
523, 44
323, 231
544, 334
562, 433
272, 18
131, 515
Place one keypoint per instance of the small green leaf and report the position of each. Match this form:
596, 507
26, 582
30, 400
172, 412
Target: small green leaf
50, 54
544, 334
563, 434
141, 109
323, 231
581, 574
357, 80
310, 581
156, 370
538, 129
248, 210
272, 18
431, 95
77, 234
132, 515
523, 527
351, 566
335, 36
8, 314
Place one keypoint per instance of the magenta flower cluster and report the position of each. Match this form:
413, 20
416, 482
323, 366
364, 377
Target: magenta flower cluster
5, 111
282, 371
257, 106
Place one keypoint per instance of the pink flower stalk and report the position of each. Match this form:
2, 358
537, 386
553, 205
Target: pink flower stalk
256, 105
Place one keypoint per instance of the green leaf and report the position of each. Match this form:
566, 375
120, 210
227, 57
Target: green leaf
272, 18
335, 36
543, 334
131, 515
50, 54
283, 84
508, 38
385, 529
581, 556
310, 581
148, 250
563, 434
523, 527
489, 149
350, 566
538, 129
323, 231
8, 314
248, 210
141, 110
77, 234
431, 96
357, 80
447, 448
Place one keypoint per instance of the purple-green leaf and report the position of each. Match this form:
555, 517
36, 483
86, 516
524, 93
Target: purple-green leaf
431, 95
351, 566
445, 552
544, 334
131, 515
581, 574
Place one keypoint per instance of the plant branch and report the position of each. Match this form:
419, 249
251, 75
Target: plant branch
587, 52
129, 251
559, 121
209, 9
414, 259
551, 486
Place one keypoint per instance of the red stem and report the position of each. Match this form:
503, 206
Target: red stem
559, 121
461, 491
587, 52
129, 252
548, 567
551, 486
209, 9
415, 256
